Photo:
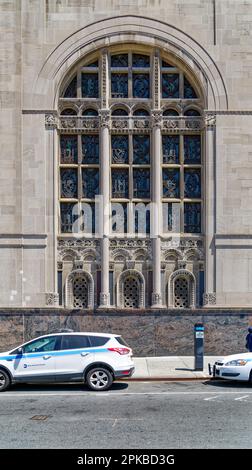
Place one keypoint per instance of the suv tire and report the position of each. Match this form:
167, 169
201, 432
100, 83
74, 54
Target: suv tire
99, 379
4, 381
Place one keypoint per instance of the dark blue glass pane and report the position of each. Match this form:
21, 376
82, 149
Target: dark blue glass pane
189, 92
68, 215
119, 112
68, 112
140, 60
192, 112
93, 64
171, 217
141, 85
141, 183
90, 148
192, 217
141, 112
192, 183
68, 149
120, 148
71, 90
119, 60
90, 85
119, 214
171, 182
90, 112
69, 183
170, 112
170, 85
166, 65
120, 183
90, 182
119, 85
170, 148
192, 149
141, 149
87, 217
142, 220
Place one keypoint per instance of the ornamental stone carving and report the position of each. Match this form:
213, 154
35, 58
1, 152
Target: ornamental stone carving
51, 121
52, 298
210, 120
104, 118
209, 298
156, 117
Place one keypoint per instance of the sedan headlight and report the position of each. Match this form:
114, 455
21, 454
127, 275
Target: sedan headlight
237, 362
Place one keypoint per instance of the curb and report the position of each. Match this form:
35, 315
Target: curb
164, 379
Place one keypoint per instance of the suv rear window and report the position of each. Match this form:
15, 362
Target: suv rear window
75, 342
98, 340
122, 341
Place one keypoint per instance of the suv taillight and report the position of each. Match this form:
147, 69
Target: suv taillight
120, 350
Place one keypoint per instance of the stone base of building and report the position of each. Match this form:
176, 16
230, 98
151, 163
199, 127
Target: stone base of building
148, 332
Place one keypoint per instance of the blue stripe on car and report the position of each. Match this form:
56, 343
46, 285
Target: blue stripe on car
54, 353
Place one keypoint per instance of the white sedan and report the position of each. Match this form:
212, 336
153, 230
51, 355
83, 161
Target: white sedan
234, 367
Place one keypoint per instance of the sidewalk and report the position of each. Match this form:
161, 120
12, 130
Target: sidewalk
170, 368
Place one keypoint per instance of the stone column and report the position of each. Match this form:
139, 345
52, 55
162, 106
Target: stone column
104, 181
156, 216
210, 288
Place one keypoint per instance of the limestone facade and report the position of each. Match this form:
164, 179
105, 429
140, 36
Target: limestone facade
44, 43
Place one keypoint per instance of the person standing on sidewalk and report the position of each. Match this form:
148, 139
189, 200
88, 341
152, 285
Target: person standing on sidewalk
249, 339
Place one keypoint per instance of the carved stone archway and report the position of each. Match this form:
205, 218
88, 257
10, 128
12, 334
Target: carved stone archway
189, 283
138, 282
87, 279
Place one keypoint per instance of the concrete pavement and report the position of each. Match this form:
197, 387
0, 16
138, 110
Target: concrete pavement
170, 368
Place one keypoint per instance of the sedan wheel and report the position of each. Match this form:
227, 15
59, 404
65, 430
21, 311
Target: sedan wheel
99, 379
4, 381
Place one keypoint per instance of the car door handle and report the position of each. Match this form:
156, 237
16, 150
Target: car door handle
84, 354
46, 357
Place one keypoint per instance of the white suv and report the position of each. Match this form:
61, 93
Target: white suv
93, 358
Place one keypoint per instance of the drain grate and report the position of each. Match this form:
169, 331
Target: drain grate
40, 417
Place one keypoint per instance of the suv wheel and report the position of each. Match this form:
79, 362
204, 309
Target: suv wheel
99, 379
4, 381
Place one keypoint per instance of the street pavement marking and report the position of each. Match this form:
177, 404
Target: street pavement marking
113, 394
241, 398
211, 398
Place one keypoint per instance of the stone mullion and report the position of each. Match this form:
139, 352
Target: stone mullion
210, 290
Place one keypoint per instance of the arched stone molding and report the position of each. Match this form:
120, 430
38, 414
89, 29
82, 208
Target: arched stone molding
176, 254
69, 288
193, 252
89, 253
120, 287
123, 106
121, 252
73, 254
191, 282
188, 54
141, 253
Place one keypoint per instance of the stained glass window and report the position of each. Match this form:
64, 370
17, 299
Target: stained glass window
141, 149
120, 148
166, 65
170, 85
90, 112
192, 149
119, 60
119, 85
140, 60
170, 145
171, 183
192, 183
120, 183
141, 85
141, 183
68, 215
88, 217
192, 112
171, 217
68, 183
189, 92
68, 112
93, 64
141, 112
68, 149
90, 182
119, 112
119, 217
192, 217
170, 112
90, 85
71, 90
90, 148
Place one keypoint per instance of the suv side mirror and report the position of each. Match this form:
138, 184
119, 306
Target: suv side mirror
20, 351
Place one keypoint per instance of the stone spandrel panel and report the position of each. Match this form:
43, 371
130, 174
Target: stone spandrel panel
234, 175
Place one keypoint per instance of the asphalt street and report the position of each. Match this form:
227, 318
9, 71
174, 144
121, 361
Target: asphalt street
131, 415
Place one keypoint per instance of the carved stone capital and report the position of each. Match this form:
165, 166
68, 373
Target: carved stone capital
51, 121
104, 118
104, 299
156, 300
210, 120
209, 298
156, 118
52, 298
